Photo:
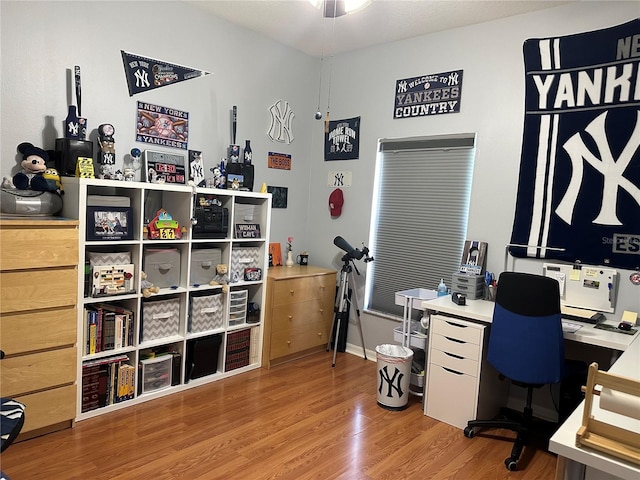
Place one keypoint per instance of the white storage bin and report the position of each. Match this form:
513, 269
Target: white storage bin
241, 258
160, 319
162, 266
203, 265
207, 313
417, 339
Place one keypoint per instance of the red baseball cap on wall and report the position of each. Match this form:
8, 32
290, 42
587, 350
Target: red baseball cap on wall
336, 200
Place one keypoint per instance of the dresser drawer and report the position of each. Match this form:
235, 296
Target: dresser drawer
295, 290
38, 330
454, 362
451, 397
457, 329
298, 339
294, 315
28, 373
47, 247
37, 289
49, 407
456, 347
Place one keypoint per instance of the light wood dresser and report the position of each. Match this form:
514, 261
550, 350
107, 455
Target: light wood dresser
38, 330
299, 312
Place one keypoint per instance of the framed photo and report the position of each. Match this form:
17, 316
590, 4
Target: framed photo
165, 167
278, 196
275, 254
109, 223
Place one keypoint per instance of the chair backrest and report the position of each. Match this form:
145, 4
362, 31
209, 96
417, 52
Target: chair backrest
526, 342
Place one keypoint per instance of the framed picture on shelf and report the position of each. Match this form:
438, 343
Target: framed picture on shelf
275, 255
165, 167
109, 223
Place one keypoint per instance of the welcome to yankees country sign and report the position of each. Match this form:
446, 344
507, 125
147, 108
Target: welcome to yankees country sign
433, 94
579, 186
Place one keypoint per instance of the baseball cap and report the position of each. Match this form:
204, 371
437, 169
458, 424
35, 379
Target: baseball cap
336, 200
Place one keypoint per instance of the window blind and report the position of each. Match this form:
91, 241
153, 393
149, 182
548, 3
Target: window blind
421, 204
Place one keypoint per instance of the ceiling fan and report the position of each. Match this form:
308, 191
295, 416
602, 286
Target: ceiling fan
337, 8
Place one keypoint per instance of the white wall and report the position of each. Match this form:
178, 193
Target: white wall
253, 72
41, 41
492, 105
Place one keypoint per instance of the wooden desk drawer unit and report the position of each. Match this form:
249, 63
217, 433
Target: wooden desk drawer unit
38, 330
299, 312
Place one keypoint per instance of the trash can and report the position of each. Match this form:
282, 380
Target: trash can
394, 375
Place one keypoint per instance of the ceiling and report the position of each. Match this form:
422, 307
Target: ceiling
298, 24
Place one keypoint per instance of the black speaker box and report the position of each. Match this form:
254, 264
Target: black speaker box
202, 357
175, 368
67, 152
241, 169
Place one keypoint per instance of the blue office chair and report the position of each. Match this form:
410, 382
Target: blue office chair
525, 345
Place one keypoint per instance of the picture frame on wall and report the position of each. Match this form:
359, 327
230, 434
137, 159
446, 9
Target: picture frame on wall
165, 167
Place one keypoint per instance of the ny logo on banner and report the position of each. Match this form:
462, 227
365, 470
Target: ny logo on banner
611, 169
281, 117
393, 383
142, 78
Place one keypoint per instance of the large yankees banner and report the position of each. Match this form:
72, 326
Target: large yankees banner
579, 187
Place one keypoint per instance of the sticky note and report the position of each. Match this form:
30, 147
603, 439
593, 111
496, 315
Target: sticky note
630, 317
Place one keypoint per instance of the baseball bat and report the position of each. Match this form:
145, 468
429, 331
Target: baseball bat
234, 124
78, 89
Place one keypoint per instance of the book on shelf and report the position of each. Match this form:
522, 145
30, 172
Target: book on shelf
109, 327
106, 381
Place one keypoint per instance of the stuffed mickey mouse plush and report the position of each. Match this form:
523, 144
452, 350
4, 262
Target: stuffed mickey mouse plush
34, 165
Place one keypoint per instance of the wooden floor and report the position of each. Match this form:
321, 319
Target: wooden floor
302, 420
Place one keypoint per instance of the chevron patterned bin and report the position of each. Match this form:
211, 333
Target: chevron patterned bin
241, 258
160, 319
207, 313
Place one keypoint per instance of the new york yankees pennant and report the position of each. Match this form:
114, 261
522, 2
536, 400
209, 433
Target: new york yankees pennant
146, 73
579, 186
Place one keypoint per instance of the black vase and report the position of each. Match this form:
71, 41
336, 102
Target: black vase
71, 124
248, 154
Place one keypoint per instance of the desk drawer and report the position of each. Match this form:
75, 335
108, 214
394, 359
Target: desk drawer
294, 315
457, 347
48, 407
298, 339
28, 373
59, 249
454, 362
36, 289
451, 397
457, 329
302, 289
38, 330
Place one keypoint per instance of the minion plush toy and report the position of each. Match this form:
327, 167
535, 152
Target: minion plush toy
53, 178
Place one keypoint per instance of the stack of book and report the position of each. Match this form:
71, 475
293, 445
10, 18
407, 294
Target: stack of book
106, 381
108, 327
238, 349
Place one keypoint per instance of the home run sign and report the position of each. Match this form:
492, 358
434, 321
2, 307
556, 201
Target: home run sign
432, 94
579, 188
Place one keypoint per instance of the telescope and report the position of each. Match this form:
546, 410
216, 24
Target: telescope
352, 253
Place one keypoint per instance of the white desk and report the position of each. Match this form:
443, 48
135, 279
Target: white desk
573, 461
579, 462
482, 311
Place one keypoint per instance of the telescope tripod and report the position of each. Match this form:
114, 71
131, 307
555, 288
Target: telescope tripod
341, 307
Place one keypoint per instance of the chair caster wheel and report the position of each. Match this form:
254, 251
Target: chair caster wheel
511, 464
469, 432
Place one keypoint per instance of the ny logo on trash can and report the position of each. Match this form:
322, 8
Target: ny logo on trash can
393, 383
